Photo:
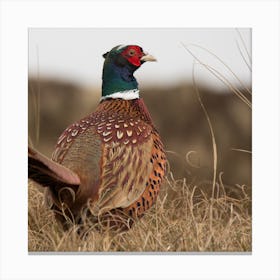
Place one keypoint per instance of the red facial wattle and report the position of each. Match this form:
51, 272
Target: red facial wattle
133, 54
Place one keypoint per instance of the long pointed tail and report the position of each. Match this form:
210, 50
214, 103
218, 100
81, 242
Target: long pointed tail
47, 172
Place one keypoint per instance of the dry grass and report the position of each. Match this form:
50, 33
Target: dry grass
185, 218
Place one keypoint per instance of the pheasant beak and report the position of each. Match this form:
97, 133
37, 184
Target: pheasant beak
147, 57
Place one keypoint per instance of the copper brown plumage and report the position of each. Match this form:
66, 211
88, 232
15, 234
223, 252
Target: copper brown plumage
114, 155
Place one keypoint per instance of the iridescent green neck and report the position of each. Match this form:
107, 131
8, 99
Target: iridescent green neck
117, 78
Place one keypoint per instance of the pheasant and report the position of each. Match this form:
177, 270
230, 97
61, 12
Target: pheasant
111, 162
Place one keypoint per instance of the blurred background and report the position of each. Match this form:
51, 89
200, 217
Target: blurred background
65, 68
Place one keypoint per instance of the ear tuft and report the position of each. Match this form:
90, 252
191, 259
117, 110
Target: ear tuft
105, 54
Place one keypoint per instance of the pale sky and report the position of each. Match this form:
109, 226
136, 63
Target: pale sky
76, 54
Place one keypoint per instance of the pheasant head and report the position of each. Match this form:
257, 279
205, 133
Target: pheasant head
119, 66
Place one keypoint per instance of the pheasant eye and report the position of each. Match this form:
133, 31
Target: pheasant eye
131, 52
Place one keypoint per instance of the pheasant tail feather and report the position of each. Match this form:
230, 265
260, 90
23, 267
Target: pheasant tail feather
47, 172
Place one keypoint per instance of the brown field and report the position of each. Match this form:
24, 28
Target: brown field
183, 219
192, 213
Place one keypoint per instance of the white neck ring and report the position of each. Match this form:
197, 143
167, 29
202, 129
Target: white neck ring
126, 95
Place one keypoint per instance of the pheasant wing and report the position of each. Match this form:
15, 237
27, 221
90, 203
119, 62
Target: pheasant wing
126, 164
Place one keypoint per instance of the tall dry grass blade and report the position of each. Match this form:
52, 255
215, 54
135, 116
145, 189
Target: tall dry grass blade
241, 150
235, 90
214, 146
32, 97
221, 183
220, 77
243, 57
35, 96
223, 63
244, 45
38, 97
30, 142
226, 82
